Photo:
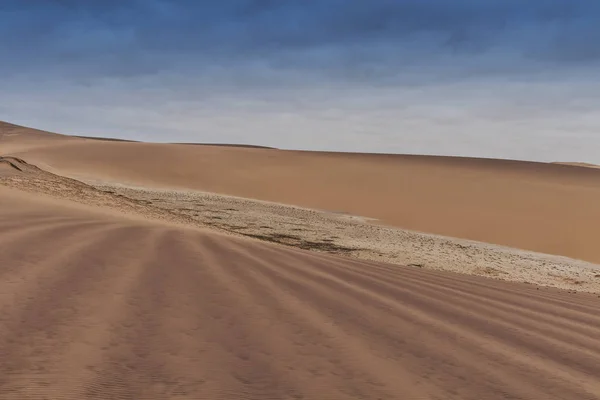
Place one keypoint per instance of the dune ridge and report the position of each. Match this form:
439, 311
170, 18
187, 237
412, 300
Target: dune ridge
547, 208
314, 230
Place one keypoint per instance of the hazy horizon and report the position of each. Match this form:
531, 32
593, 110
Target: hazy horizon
500, 79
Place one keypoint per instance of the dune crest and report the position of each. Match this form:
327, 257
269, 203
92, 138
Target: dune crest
547, 208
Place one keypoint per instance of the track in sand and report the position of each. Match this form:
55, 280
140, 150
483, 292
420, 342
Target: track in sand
96, 306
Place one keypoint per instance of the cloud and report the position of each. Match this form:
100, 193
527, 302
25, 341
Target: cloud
347, 39
501, 78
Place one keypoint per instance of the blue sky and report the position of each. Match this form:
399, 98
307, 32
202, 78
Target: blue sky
490, 78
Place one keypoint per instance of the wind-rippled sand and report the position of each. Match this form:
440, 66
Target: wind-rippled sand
101, 307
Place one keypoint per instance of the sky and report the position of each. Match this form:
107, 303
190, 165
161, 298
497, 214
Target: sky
485, 78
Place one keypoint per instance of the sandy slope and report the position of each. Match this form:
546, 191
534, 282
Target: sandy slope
98, 306
319, 231
356, 237
548, 208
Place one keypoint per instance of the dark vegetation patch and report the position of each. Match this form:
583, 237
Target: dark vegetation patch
326, 246
295, 241
236, 227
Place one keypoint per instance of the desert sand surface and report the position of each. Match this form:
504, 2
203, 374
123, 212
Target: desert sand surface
96, 305
543, 207
357, 237
114, 291
315, 230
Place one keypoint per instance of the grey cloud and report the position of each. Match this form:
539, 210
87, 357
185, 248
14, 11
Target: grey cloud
471, 77
353, 39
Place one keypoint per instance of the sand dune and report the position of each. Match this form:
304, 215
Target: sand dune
549, 208
309, 229
97, 306
579, 164
105, 296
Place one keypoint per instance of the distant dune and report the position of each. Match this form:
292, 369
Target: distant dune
578, 164
250, 146
548, 208
107, 139
191, 144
